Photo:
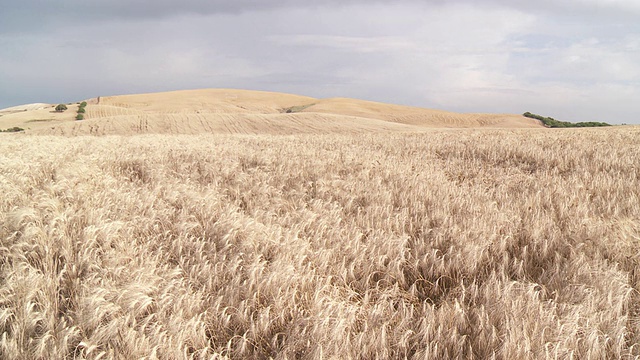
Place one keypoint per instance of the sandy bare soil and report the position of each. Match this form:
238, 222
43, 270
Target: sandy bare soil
245, 112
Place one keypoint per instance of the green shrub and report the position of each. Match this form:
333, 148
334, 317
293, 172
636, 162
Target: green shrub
13, 129
61, 107
83, 104
553, 123
295, 109
81, 110
79, 117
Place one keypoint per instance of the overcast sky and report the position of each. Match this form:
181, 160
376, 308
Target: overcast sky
576, 60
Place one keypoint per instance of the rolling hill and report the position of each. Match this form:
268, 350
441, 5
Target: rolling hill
241, 111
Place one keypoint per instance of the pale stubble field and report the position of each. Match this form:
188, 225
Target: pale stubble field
447, 244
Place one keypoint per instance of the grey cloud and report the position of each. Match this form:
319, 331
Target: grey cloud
27, 15
30, 15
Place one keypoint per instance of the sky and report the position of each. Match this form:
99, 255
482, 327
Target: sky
574, 60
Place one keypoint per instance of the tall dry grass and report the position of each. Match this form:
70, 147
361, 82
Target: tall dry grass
451, 244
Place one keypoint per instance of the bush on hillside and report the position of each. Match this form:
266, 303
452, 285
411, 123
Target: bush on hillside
13, 129
553, 123
61, 107
295, 109
79, 117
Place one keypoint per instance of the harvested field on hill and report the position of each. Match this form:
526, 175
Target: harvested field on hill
418, 116
225, 111
37, 116
470, 244
253, 124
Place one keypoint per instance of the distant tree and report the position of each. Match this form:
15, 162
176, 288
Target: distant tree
61, 107
79, 117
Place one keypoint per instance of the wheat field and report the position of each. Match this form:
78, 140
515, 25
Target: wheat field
467, 244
